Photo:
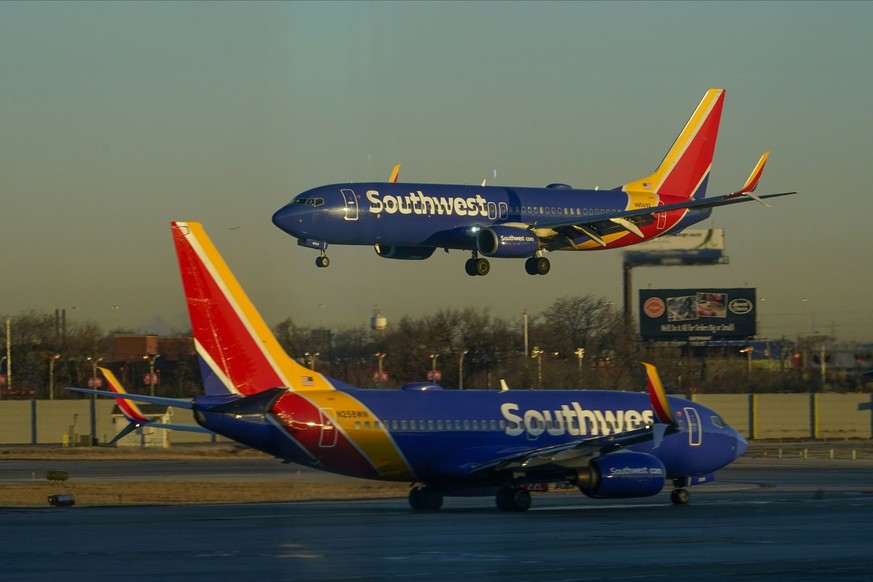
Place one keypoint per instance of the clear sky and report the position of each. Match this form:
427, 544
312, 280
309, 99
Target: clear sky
120, 117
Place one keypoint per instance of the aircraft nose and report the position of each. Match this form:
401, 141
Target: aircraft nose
286, 217
742, 445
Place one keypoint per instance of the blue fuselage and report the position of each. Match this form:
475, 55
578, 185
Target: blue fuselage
444, 215
443, 436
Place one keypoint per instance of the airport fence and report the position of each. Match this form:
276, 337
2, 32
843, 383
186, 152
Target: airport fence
824, 416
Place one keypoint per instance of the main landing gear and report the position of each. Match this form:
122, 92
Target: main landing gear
479, 267
680, 496
425, 498
322, 262
430, 498
537, 266
513, 499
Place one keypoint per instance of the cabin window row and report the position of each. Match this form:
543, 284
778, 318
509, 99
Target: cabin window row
433, 425
458, 425
562, 211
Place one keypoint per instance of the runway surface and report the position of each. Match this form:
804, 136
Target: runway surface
770, 518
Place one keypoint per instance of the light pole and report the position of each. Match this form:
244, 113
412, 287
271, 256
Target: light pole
52, 359
433, 372
580, 353
311, 358
524, 317
461, 368
94, 362
379, 357
748, 351
151, 358
9, 353
538, 354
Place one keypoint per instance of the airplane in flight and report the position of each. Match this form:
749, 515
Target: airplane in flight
410, 221
609, 444
135, 417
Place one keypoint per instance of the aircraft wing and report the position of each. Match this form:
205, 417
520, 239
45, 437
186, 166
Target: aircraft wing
132, 426
632, 219
575, 453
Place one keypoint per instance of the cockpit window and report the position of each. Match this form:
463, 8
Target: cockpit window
310, 201
717, 422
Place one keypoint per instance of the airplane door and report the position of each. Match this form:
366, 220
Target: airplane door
492, 211
351, 204
695, 431
328, 435
504, 211
661, 217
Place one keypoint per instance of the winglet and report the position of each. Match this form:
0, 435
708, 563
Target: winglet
128, 407
660, 404
752, 183
755, 176
395, 173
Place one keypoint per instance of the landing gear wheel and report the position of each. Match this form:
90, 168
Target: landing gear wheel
537, 266
425, 499
513, 499
470, 267
680, 496
322, 262
482, 267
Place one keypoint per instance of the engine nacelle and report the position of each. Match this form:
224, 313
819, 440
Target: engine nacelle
623, 474
507, 241
404, 253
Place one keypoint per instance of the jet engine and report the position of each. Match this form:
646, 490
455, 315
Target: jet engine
404, 253
622, 474
507, 241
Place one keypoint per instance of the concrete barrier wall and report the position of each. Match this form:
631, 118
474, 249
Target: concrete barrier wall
782, 416
16, 422
758, 416
733, 408
838, 416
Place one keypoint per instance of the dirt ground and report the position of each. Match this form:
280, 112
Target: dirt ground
34, 493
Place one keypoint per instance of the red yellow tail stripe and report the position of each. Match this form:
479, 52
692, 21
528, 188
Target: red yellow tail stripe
689, 160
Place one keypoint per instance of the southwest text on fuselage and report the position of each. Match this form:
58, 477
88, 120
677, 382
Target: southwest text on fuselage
573, 420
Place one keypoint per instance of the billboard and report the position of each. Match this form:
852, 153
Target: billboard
689, 247
697, 314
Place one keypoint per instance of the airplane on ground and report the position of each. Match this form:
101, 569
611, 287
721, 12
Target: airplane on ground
135, 417
609, 444
410, 221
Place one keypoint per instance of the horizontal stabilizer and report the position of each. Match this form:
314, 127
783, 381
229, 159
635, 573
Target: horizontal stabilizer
159, 400
255, 404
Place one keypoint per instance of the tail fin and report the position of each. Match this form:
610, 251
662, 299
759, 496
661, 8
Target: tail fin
685, 169
237, 351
